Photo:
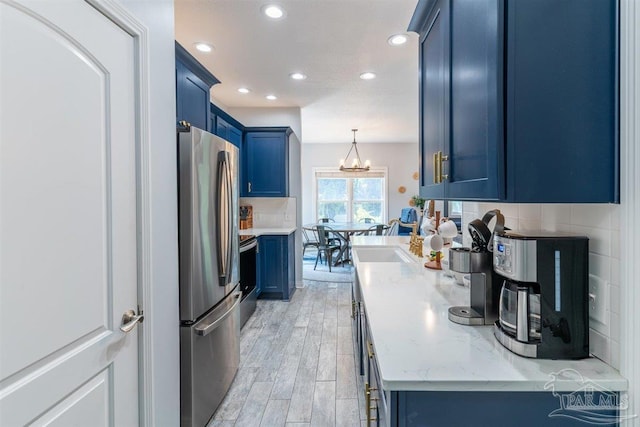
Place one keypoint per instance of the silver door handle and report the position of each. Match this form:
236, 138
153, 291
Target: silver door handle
130, 319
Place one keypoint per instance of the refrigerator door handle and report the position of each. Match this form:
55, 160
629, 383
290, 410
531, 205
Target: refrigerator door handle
223, 205
230, 219
206, 326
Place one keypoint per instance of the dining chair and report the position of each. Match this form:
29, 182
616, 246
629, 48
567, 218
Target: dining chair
308, 241
367, 220
325, 220
377, 230
325, 245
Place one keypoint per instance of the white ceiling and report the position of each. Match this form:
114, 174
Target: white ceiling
332, 42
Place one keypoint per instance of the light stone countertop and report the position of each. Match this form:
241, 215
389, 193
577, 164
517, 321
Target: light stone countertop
267, 231
419, 348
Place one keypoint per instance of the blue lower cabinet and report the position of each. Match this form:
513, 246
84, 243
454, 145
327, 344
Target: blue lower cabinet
276, 267
589, 405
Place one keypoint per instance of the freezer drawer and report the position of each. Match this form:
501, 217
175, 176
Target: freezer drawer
209, 359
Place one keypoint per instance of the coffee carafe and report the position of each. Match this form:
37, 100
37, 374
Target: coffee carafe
477, 261
543, 308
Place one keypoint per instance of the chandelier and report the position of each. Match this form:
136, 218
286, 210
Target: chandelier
356, 163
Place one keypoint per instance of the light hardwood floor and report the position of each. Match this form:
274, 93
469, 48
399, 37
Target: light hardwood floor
297, 365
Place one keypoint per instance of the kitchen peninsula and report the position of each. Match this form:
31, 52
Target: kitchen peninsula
420, 366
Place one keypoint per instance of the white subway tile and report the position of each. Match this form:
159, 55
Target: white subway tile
591, 215
614, 299
615, 354
506, 209
599, 239
471, 207
614, 332
615, 243
616, 272
530, 211
600, 266
510, 222
615, 216
599, 346
553, 214
529, 224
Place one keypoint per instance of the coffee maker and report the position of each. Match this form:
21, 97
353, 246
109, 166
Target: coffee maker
477, 261
543, 306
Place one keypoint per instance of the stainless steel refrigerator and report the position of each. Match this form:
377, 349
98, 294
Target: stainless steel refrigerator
209, 272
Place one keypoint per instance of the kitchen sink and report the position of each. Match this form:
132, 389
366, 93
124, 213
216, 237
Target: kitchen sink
380, 254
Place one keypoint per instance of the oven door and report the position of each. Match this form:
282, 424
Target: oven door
248, 279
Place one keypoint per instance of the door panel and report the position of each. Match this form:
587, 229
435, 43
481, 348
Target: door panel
434, 83
475, 165
67, 216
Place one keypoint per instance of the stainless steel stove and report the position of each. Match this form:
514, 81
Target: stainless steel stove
248, 277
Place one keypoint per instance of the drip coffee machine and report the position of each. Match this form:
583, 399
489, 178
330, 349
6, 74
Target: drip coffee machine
544, 310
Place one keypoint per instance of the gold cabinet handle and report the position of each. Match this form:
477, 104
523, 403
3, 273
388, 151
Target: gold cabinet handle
367, 403
436, 175
370, 349
353, 309
249, 187
443, 158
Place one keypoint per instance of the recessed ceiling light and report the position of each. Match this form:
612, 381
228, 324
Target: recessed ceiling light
271, 97
273, 11
243, 90
298, 76
368, 75
397, 39
204, 47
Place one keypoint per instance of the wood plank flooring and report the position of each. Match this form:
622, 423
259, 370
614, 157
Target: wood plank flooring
297, 364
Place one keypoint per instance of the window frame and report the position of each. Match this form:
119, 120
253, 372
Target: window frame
374, 172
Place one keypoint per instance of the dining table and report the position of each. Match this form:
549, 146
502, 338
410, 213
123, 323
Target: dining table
344, 230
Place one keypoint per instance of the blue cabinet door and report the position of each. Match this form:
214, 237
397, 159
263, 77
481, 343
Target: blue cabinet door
235, 136
266, 164
276, 266
192, 98
523, 109
193, 83
562, 100
227, 131
475, 165
434, 96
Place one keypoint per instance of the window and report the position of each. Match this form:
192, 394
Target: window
347, 196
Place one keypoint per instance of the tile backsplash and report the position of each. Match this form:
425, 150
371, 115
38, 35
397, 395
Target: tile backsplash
272, 211
601, 224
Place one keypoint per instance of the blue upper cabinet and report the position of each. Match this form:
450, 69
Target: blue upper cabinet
518, 100
434, 97
265, 157
193, 83
225, 126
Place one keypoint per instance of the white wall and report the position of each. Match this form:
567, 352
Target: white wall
601, 223
400, 159
271, 116
162, 360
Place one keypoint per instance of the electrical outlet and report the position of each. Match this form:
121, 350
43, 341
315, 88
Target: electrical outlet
598, 304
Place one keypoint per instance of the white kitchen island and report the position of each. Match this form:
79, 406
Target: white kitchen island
422, 359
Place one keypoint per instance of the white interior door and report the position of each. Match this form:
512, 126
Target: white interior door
68, 256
